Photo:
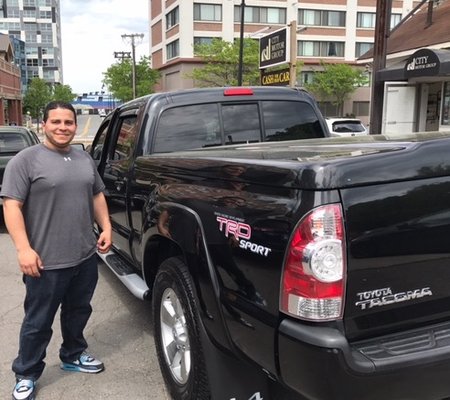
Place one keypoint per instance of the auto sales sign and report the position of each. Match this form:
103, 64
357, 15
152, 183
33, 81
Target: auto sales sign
274, 49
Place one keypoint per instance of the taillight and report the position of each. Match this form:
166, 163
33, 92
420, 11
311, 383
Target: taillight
313, 283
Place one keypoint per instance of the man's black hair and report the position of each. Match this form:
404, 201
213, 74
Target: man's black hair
53, 105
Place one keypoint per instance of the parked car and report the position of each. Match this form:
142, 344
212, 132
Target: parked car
12, 140
346, 127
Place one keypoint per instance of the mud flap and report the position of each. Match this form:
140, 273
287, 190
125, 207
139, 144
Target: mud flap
231, 378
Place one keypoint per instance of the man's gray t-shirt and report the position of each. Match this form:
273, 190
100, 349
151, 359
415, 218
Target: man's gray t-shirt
57, 190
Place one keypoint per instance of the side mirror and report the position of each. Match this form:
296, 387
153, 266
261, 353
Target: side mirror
79, 146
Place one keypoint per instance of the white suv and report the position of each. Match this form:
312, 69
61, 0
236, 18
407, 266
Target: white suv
346, 127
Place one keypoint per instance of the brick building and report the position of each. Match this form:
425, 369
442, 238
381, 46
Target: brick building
10, 85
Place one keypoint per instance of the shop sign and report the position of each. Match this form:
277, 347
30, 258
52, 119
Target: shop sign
423, 62
275, 78
273, 49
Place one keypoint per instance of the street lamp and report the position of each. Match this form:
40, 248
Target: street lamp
241, 44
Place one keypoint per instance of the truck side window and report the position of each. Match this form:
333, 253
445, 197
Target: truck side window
99, 144
126, 138
290, 120
241, 123
188, 127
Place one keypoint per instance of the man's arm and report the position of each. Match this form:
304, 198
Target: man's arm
101, 216
29, 261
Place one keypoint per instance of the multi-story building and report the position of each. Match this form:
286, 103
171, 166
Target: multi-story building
37, 23
336, 31
10, 95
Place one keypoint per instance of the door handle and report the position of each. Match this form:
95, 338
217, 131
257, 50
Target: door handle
120, 184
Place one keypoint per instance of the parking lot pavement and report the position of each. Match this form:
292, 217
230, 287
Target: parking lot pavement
119, 333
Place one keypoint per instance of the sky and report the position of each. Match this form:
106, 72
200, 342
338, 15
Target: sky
91, 32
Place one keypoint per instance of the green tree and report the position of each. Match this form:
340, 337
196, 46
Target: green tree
37, 96
336, 83
221, 61
118, 78
63, 93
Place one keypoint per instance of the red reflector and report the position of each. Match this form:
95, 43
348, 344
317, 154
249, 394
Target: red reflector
238, 92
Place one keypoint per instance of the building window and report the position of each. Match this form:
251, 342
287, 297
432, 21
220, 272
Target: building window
29, 13
12, 3
13, 26
43, 14
320, 49
367, 20
13, 12
30, 37
45, 27
49, 75
30, 27
173, 18
361, 108
48, 50
446, 105
328, 109
207, 12
48, 62
306, 77
395, 19
263, 15
173, 49
29, 50
362, 48
29, 3
198, 40
321, 17
44, 3
32, 62
46, 38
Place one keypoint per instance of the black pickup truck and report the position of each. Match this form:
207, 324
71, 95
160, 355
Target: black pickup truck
308, 269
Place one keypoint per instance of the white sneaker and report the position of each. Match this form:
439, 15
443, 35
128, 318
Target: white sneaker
24, 389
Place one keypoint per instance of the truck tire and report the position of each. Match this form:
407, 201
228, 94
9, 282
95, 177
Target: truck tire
177, 334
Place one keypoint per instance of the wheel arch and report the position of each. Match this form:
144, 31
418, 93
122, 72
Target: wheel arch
187, 241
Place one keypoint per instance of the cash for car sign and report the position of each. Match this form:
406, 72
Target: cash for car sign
275, 78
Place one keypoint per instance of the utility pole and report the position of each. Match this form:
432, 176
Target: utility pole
132, 38
382, 27
293, 54
241, 45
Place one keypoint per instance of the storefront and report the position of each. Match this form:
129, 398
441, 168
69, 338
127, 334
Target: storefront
417, 93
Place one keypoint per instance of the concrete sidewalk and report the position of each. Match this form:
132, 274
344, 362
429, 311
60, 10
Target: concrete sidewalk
119, 333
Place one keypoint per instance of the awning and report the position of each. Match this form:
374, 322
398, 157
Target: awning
423, 63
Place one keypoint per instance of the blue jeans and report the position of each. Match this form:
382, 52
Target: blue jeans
72, 288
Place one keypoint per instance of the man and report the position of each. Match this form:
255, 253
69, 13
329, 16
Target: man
52, 194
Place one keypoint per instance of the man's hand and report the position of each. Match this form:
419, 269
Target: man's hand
104, 241
30, 263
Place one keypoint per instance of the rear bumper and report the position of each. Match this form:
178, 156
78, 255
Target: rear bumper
319, 363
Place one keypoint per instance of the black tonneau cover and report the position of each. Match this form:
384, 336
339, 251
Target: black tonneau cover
331, 163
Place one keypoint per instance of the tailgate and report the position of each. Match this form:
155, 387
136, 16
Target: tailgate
398, 256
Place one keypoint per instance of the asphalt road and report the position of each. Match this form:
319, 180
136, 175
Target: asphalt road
119, 333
